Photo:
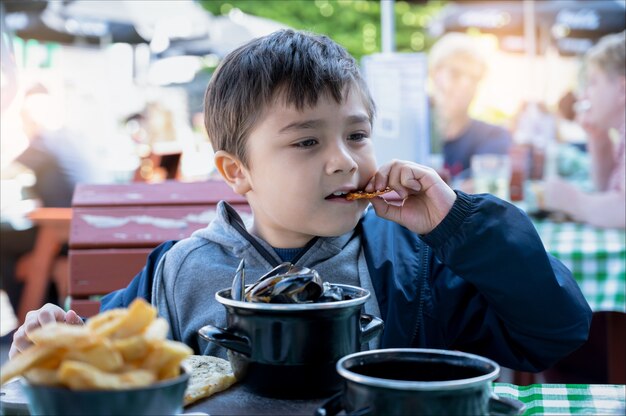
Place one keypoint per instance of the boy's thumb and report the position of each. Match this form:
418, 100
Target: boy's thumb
384, 209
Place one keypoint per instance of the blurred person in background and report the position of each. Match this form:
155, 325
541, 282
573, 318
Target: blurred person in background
456, 67
153, 132
602, 113
58, 159
535, 127
569, 129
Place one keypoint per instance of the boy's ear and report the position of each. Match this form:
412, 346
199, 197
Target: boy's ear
233, 171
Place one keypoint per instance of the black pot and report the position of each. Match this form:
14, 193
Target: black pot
290, 350
409, 381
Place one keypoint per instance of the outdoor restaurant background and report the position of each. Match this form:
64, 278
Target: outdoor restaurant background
101, 82
107, 62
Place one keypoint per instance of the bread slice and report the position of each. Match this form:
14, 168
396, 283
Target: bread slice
209, 375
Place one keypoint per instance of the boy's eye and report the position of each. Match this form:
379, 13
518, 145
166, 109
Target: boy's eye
357, 137
306, 143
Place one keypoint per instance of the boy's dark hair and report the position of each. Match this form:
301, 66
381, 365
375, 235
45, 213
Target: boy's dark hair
296, 65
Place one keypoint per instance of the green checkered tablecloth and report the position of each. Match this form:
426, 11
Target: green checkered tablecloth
567, 399
596, 257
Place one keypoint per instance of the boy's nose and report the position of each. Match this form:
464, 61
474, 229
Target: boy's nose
340, 159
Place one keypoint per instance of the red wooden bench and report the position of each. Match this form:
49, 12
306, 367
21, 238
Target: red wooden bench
114, 227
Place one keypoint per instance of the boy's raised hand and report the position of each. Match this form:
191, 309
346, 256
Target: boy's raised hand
427, 198
34, 319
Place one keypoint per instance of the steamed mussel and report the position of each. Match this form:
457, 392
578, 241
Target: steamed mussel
286, 283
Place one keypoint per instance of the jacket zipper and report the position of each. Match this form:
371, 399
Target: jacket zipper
422, 288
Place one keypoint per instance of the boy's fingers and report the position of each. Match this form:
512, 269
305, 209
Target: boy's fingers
384, 209
72, 318
20, 342
13, 351
50, 313
31, 322
381, 179
46, 317
36, 319
395, 183
408, 179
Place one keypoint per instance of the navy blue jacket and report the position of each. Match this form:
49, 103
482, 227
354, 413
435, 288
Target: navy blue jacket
425, 303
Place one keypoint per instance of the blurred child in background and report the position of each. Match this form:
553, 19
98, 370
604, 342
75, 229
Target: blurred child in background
602, 113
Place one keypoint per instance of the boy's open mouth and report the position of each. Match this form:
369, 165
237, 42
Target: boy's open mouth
338, 195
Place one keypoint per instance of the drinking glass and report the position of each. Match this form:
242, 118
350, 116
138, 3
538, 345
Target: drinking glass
491, 174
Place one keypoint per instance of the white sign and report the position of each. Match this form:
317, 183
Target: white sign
397, 82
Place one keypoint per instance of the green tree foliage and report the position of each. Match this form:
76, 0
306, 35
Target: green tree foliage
355, 24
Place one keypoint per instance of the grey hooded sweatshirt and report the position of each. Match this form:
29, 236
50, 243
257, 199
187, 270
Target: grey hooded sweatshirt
190, 273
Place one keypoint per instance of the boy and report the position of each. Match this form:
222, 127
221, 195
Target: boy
290, 118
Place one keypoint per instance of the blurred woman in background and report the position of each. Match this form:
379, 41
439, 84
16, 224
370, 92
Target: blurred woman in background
602, 113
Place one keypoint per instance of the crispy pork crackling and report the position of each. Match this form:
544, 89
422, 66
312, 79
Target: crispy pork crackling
366, 195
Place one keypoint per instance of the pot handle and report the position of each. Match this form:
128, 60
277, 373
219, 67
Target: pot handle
370, 327
334, 405
501, 406
226, 339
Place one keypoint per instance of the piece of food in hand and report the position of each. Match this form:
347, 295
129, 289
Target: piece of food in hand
115, 350
366, 195
209, 375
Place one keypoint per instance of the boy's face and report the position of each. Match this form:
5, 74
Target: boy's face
298, 160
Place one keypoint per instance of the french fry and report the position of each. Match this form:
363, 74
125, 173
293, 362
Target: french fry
54, 360
165, 353
59, 334
171, 369
140, 315
43, 376
28, 359
102, 356
158, 329
81, 376
132, 348
105, 323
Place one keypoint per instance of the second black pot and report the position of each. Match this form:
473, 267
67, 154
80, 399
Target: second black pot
414, 381
290, 350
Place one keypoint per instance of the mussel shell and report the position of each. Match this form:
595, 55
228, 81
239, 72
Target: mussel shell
238, 287
331, 293
285, 268
287, 289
